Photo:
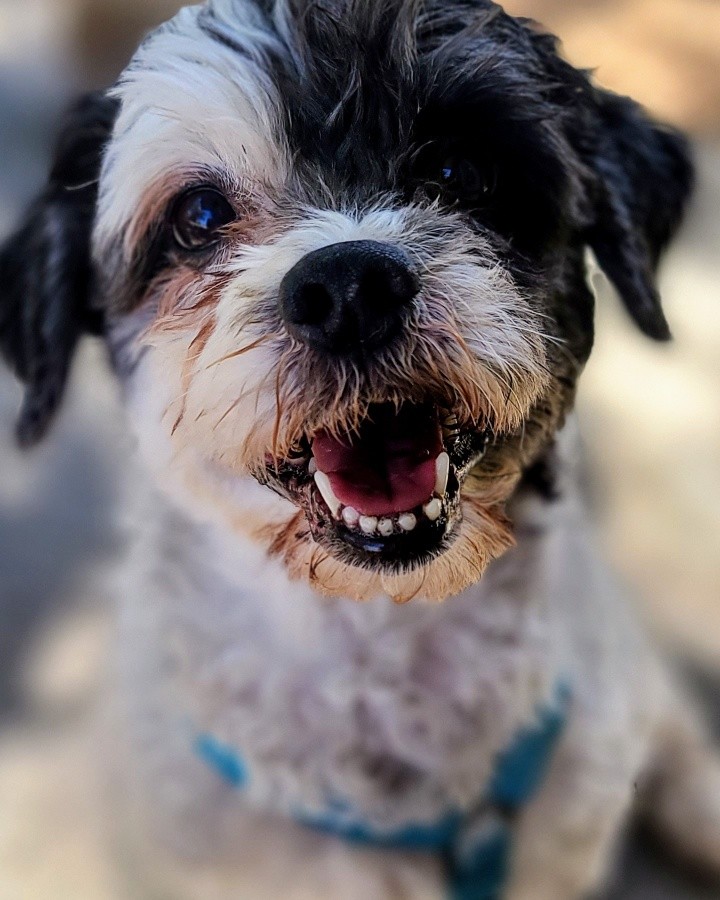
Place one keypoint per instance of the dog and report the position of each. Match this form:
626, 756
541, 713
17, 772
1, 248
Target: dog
340, 253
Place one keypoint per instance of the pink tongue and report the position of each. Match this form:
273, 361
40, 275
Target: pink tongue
390, 466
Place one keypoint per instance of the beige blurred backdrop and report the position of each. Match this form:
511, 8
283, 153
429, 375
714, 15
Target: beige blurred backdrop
651, 418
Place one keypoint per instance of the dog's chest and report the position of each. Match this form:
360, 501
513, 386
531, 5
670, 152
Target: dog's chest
396, 712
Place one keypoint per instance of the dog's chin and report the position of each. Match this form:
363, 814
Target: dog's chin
385, 510
480, 535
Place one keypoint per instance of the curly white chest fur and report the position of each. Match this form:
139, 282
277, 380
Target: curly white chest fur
399, 711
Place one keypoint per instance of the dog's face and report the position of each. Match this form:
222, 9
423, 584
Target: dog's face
339, 250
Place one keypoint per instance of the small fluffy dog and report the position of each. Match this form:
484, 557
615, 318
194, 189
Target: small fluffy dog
338, 251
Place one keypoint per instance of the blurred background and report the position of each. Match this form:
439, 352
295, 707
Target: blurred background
651, 418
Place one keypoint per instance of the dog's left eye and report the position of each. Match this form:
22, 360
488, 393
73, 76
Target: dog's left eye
198, 216
462, 180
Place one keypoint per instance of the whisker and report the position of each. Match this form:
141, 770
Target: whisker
235, 353
233, 406
257, 389
279, 404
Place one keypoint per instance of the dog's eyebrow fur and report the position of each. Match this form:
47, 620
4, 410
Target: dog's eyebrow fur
364, 84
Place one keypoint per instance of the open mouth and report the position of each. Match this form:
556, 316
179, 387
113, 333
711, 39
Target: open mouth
388, 493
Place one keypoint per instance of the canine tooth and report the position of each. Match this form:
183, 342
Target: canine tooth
312, 466
386, 527
407, 522
433, 509
328, 495
351, 516
368, 524
442, 473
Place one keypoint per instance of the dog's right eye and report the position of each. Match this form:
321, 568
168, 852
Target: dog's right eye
198, 216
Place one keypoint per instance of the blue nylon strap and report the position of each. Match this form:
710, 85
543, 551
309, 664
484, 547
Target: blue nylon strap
482, 873
521, 768
223, 760
480, 868
477, 847
416, 837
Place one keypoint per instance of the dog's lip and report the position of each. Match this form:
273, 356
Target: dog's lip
396, 539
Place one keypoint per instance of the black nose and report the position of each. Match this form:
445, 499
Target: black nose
348, 297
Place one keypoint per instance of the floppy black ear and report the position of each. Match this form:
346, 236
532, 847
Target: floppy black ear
46, 277
644, 179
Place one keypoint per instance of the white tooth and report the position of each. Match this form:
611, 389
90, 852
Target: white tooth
312, 466
328, 495
442, 473
368, 524
386, 527
407, 522
350, 516
433, 509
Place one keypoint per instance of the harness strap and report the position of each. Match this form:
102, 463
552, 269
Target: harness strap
476, 845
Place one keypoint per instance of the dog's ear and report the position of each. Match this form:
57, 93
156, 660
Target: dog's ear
46, 280
644, 177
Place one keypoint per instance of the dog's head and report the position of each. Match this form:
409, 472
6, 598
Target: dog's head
338, 250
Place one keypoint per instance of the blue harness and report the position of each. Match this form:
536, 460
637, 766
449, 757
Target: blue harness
475, 846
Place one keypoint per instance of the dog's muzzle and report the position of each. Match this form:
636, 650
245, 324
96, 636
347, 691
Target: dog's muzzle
387, 495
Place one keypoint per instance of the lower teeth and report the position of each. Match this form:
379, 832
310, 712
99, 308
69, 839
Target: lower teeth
387, 526
401, 523
350, 516
433, 509
368, 524
407, 522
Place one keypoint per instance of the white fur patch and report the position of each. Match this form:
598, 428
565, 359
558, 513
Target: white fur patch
206, 106
332, 699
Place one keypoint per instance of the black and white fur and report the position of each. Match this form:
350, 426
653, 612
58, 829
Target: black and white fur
323, 123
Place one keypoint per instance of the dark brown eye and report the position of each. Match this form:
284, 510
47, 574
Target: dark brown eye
463, 180
198, 216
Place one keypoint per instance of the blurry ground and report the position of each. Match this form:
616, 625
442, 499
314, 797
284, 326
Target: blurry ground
651, 418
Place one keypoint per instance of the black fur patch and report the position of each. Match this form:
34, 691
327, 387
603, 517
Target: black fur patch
349, 91
374, 94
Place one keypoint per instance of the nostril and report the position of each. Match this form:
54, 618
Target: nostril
312, 304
